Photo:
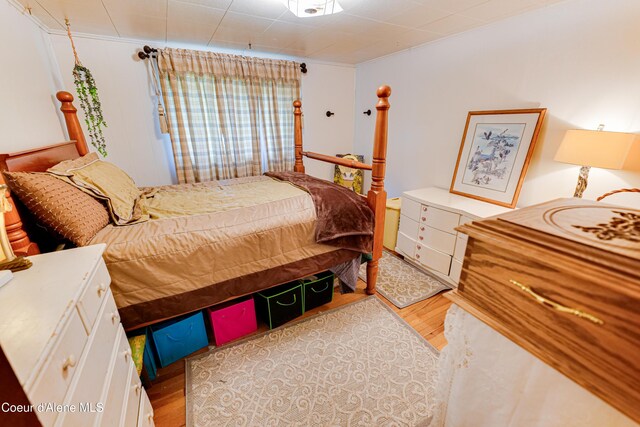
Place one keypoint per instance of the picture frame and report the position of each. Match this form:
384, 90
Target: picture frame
495, 153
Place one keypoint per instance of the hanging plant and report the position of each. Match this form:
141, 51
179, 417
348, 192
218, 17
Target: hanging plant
89, 100
90, 103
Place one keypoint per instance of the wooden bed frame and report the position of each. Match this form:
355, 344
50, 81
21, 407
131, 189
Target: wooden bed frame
42, 158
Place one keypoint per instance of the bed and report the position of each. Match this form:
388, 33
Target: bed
245, 245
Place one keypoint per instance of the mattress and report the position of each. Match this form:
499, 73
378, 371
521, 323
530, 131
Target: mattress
210, 242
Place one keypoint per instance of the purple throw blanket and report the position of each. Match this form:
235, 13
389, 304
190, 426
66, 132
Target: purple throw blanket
344, 217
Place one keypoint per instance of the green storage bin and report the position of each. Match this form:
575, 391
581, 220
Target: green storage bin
281, 304
318, 290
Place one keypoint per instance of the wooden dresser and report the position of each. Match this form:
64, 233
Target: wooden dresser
61, 333
427, 235
562, 280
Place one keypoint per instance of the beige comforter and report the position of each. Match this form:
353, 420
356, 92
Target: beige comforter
234, 229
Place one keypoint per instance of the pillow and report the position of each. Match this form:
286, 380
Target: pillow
106, 181
61, 207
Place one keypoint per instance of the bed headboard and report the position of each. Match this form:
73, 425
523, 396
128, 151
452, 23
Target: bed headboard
39, 160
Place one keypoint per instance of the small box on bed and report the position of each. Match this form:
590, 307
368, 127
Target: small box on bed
177, 338
318, 290
281, 304
232, 321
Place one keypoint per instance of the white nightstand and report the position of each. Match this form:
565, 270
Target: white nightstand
61, 333
427, 235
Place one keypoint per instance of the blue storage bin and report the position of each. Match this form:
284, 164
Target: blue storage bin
177, 338
149, 361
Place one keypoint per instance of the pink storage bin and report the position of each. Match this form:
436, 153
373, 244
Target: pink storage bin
233, 321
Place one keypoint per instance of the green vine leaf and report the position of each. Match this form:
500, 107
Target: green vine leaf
90, 104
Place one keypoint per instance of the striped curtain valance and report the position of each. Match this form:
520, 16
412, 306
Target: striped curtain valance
179, 61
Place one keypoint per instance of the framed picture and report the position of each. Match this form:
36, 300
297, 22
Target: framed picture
494, 154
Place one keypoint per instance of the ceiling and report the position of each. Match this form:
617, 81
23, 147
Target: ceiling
366, 29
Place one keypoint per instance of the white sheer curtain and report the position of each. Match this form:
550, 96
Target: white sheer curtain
486, 380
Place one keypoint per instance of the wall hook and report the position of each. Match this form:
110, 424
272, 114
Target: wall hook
329, 113
368, 112
303, 68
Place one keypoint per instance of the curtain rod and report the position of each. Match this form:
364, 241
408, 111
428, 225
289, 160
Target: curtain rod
149, 52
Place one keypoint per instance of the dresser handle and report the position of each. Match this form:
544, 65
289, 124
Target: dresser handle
418, 247
69, 362
126, 354
101, 289
421, 228
149, 417
137, 389
115, 318
420, 237
424, 218
424, 209
418, 256
554, 305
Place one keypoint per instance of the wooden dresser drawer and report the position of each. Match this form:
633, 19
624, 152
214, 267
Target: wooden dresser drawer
433, 259
408, 226
436, 239
581, 319
133, 398
94, 294
440, 219
410, 209
145, 415
60, 370
119, 383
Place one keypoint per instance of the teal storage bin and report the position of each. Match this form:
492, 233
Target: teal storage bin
149, 361
177, 338
281, 304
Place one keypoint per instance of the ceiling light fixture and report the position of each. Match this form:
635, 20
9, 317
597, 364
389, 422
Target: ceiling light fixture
309, 8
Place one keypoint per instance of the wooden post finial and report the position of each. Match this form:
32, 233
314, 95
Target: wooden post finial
297, 135
71, 119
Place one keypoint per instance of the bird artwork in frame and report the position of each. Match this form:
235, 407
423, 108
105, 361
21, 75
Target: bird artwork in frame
349, 177
495, 153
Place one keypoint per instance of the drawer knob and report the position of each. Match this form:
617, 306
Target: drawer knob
554, 305
137, 388
127, 354
424, 218
417, 255
69, 362
149, 416
418, 247
101, 289
115, 317
421, 228
420, 237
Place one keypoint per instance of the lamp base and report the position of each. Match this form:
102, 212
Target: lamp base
17, 264
582, 181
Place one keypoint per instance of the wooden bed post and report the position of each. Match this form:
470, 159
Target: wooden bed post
20, 242
297, 135
73, 124
377, 196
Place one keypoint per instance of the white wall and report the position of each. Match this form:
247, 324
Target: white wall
580, 59
134, 141
28, 118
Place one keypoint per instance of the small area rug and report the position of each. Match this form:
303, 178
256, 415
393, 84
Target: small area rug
401, 283
356, 365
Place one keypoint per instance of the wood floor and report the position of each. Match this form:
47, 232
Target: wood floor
167, 391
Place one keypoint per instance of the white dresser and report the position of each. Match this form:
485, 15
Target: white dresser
427, 235
61, 333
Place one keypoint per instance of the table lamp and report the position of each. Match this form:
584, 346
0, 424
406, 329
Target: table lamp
590, 148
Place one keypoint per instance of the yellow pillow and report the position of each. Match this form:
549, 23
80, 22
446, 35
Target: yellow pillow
106, 181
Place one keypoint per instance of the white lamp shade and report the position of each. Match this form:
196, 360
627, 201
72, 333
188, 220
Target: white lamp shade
608, 150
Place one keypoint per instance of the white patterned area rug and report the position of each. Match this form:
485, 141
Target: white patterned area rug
401, 283
356, 365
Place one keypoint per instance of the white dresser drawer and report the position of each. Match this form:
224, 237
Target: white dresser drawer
461, 246
410, 209
119, 385
94, 294
436, 239
408, 226
433, 259
456, 269
133, 398
440, 219
406, 245
89, 386
61, 368
145, 415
